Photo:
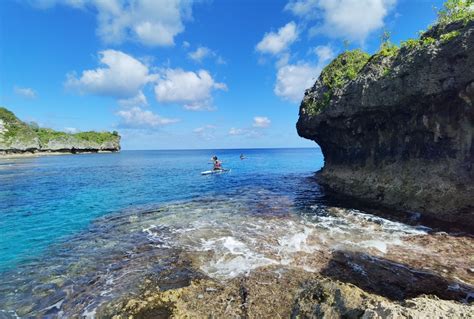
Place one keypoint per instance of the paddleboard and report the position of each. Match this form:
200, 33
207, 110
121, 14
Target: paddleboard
220, 171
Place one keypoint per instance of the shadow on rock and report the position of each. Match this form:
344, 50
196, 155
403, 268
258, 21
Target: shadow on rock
393, 280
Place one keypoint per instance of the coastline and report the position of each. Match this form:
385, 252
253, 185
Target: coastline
39, 154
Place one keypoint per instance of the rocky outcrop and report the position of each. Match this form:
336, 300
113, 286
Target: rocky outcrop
17, 137
401, 132
266, 293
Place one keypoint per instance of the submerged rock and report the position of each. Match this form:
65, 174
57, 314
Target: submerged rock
399, 131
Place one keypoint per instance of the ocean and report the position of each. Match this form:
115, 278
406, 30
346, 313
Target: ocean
80, 230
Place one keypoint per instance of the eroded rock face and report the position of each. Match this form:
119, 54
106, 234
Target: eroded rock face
401, 133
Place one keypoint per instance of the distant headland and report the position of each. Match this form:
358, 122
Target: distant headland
20, 138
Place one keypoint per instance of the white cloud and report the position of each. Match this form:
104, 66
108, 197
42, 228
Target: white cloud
244, 132
137, 100
275, 43
293, 80
237, 131
192, 89
303, 8
154, 23
346, 19
325, 54
136, 117
205, 132
200, 54
123, 76
29, 93
261, 121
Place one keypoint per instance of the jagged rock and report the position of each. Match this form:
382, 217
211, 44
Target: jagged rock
332, 299
401, 133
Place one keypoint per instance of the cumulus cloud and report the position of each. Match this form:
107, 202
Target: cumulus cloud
202, 53
136, 117
277, 42
137, 100
346, 19
261, 121
122, 76
28, 93
250, 133
192, 89
324, 53
150, 22
293, 80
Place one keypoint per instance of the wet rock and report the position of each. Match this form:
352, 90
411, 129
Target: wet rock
333, 299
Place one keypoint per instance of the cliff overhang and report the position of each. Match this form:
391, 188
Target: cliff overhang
401, 132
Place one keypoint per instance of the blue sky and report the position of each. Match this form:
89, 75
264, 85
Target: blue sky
182, 74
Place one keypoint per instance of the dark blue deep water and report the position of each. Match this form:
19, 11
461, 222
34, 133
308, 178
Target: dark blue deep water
45, 200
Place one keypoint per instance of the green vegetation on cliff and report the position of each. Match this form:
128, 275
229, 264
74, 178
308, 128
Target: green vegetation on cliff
347, 65
341, 70
13, 128
454, 11
17, 134
46, 135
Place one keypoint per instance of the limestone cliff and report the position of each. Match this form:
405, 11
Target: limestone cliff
17, 137
397, 128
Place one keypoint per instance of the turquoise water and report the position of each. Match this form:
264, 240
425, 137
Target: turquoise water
79, 232
46, 199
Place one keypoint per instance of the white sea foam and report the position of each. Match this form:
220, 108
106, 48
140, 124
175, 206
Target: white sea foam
242, 242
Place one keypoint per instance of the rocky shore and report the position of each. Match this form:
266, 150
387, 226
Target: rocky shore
397, 128
284, 294
18, 138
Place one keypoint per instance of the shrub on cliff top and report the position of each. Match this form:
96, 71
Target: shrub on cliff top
96, 137
46, 135
341, 70
456, 10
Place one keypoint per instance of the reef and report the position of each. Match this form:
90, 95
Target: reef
18, 137
397, 128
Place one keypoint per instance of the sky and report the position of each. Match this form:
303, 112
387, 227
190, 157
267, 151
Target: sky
184, 74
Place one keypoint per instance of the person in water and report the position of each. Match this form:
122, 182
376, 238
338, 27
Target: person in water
242, 156
217, 163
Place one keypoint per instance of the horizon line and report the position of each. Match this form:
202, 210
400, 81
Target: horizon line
224, 149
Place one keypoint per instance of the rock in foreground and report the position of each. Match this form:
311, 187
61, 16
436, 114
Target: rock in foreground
17, 137
397, 128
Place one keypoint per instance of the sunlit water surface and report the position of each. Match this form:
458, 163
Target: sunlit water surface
81, 230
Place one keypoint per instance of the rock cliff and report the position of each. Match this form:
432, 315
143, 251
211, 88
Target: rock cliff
397, 128
17, 137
